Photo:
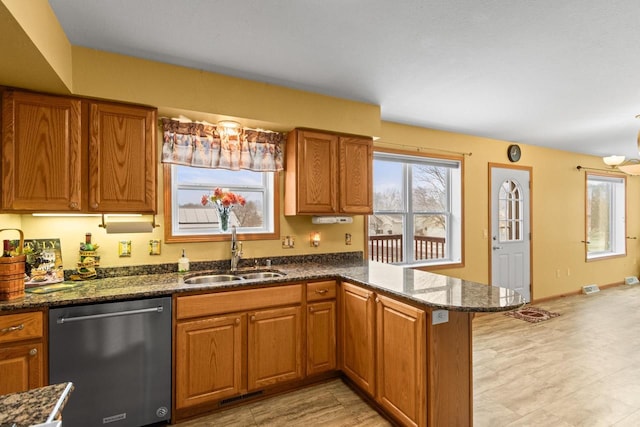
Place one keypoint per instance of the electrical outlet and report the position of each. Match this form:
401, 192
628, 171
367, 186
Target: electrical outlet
288, 242
347, 238
439, 316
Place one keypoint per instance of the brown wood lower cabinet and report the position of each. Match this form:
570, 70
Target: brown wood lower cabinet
274, 353
237, 343
209, 359
357, 317
22, 356
401, 361
231, 343
321, 337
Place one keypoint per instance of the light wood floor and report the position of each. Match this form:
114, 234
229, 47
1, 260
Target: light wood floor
579, 369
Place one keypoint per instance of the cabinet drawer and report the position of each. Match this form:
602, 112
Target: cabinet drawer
21, 326
321, 290
232, 301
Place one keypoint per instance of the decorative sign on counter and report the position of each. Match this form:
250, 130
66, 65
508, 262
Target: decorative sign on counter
43, 262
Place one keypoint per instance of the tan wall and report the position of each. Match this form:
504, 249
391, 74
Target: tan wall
558, 200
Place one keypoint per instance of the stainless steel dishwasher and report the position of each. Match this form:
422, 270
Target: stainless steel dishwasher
118, 356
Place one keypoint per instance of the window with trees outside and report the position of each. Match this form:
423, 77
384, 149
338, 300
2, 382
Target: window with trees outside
191, 221
605, 216
417, 210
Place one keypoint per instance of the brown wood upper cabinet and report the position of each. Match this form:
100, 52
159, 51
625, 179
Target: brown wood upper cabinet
41, 152
65, 154
328, 173
122, 167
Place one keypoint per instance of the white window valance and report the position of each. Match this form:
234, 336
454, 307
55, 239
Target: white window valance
208, 146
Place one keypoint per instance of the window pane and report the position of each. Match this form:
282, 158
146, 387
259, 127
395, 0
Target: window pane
430, 232
429, 192
599, 216
190, 184
385, 237
510, 215
221, 177
417, 209
387, 186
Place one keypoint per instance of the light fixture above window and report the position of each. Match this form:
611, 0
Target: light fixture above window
229, 127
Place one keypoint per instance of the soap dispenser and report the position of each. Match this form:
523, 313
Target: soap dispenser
183, 263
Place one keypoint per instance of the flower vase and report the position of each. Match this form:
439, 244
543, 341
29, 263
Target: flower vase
224, 220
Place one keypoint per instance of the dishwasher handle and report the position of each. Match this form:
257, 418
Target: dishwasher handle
158, 309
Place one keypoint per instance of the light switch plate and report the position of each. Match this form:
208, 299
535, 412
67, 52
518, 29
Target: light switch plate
124, 248
439, 316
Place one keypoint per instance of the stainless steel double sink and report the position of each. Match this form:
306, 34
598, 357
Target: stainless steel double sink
207, 278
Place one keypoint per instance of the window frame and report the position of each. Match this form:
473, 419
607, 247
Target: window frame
408, 213
169, 237
619, 233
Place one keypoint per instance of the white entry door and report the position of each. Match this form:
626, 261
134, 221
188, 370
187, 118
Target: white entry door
510, 230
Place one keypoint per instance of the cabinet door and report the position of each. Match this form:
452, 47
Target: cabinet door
21, 367
321, 337
316, 173
401, 375
122, 168
357, 337
208, 360
274, 351
41, 153
356, 175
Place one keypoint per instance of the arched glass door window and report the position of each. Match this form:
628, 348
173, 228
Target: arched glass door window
510, 212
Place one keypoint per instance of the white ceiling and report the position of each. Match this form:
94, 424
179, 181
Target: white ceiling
555, 73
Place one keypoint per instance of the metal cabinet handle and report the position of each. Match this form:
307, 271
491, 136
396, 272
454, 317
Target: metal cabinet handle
73, 205
495, 248
13, 328
321, 291
33, 351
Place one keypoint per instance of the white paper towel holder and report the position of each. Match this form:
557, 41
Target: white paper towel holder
129, 226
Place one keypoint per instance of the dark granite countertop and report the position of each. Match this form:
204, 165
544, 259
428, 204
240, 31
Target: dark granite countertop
35, 406
424, 288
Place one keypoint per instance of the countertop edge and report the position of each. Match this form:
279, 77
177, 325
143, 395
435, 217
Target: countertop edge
154, 285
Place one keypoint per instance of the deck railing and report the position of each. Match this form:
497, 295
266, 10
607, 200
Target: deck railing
388, 247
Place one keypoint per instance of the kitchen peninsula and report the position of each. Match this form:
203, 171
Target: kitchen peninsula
385, 328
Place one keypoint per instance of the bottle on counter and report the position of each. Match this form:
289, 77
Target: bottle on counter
6, 248
183, 263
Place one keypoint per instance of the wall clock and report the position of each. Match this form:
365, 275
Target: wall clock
513, 152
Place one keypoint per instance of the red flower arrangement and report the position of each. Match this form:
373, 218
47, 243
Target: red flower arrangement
224, 202
223, 198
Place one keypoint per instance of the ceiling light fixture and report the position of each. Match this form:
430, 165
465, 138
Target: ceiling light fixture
613, 161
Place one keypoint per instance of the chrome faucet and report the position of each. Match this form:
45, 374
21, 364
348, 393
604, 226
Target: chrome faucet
236, 249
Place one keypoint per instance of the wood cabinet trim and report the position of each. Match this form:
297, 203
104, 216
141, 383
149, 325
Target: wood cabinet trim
21, 326
317, 291
241, 300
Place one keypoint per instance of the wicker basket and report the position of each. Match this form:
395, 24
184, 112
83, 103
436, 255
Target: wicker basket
12, 272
